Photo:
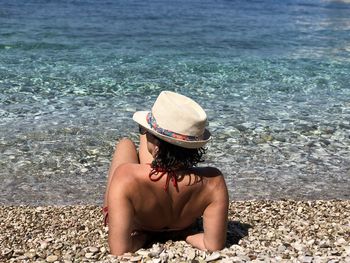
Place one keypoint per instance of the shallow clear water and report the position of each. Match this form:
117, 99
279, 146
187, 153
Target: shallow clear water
273, 78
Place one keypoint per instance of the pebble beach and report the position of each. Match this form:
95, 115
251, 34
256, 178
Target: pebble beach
272, 76
258, 231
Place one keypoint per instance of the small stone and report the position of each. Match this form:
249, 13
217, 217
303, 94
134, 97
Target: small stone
43, 245
17, 253
155, 253
74, 247
170, 254
57, 246
269, 235
7, 253
310, 242
191, 254
41, 254
267, 137
298, 246
67, 257
300, 209
306, 259
280, 138
335, 252
143, 253
22, 258
213, 256
347, 250
243, 127
236, 247
94, 249
89, 255
164, 257
30, 254
324, 244
340, 241
135, 258
281, 249
127, 255
52, 258
236, 259
39, 209
48, 240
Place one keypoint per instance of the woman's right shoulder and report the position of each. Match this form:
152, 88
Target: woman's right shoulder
216, 183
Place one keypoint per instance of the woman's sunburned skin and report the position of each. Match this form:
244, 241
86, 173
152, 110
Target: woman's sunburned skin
136, 203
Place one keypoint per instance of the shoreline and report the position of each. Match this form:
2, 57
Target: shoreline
258, 230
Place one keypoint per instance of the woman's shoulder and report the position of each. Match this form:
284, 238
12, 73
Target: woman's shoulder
215, 180
130, 173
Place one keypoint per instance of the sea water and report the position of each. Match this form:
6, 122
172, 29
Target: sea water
273, 77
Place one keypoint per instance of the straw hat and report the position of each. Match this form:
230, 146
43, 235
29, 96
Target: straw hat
176, 119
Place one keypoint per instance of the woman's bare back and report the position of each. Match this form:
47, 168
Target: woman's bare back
139, 204
176, 206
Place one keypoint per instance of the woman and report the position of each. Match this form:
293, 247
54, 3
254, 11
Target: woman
139, 195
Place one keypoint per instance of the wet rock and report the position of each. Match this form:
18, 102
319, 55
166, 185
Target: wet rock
246, 126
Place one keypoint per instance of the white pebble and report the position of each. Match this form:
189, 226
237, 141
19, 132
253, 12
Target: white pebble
52, 258
213, 256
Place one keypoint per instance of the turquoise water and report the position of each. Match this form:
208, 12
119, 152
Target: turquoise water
273, 78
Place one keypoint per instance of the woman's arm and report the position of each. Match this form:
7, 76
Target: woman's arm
214, 222
125, 152
121, 238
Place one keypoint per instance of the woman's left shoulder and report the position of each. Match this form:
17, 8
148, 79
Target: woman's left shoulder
130, 172
123, 173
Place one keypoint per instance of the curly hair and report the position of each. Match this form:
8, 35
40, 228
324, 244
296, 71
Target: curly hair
171, 157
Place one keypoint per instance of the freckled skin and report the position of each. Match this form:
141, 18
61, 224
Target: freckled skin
137, 204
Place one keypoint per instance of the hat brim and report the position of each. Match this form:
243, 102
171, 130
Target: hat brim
140, 118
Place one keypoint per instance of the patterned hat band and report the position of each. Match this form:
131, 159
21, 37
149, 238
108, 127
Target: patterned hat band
153, 124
